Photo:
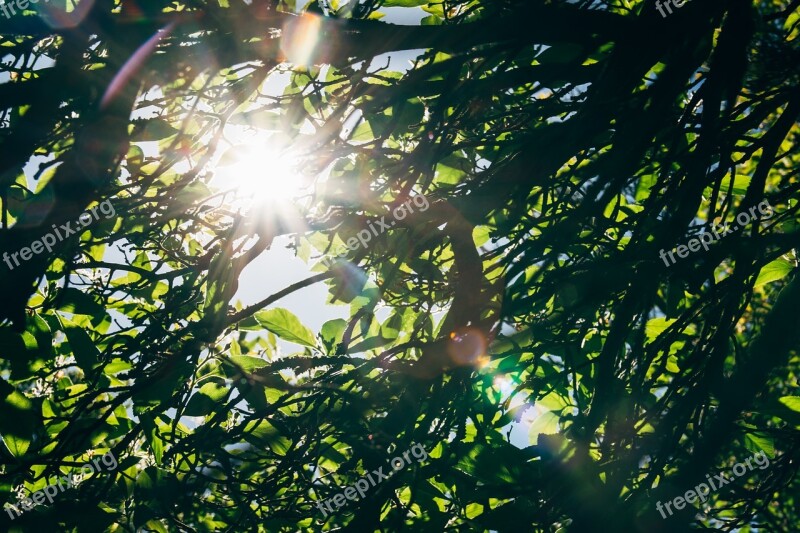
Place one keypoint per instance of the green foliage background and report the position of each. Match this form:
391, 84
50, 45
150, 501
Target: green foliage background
561, 146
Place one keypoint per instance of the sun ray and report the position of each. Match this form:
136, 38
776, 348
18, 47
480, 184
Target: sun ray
259, 174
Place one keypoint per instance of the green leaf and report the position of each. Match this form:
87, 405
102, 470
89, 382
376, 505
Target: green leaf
774, 271
79, 303
792, 402
206, 398
18, 420
656, 327
152, 435
248, 363
153, 129
332, 332
134, 158
481, 235
362, 133
286, 326
159, 390
116, 366
16, 445
155, 525
195, 192
81, 344
756, 442
263, 432
262, 119
370, 344
741, 183
563, 53
546, 423
435, 9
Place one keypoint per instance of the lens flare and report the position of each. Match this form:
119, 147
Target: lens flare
467, 346
300, 38
58, 18
259, 175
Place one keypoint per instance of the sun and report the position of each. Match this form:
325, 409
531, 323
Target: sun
259, 174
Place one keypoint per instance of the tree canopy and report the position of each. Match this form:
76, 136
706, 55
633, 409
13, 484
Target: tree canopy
559, 318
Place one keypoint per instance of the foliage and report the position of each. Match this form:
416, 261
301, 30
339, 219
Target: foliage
561, 145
